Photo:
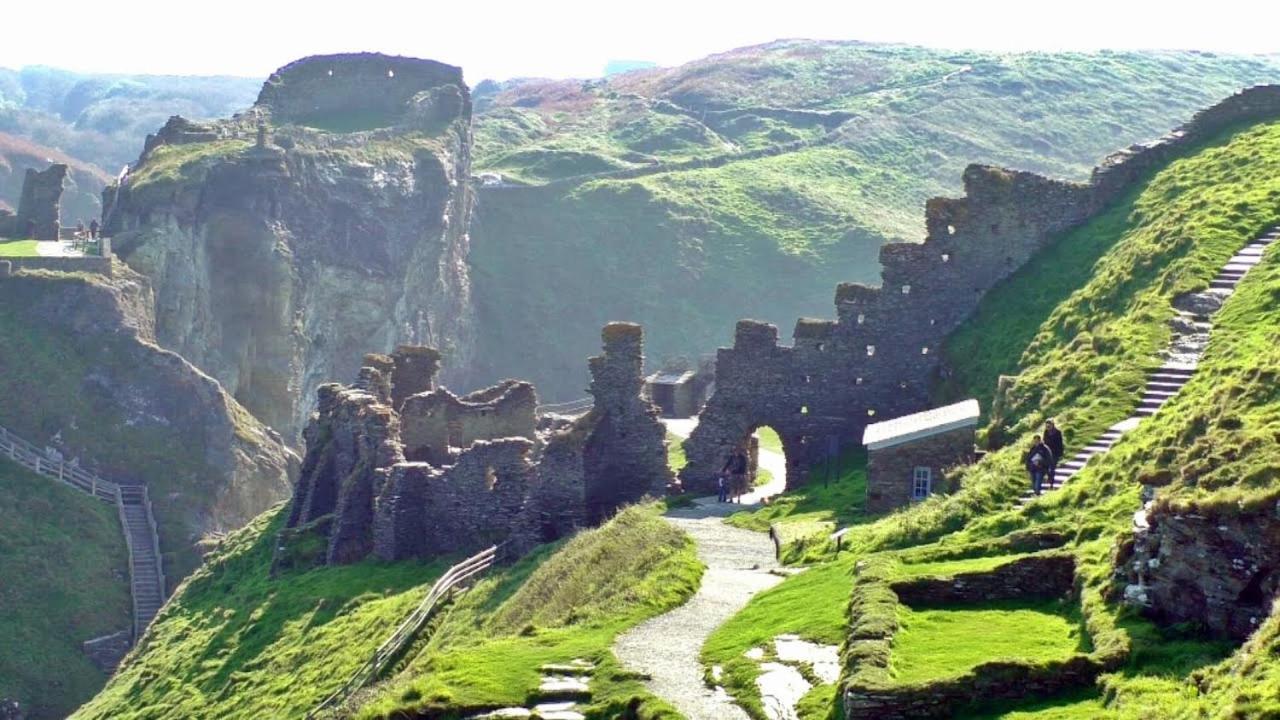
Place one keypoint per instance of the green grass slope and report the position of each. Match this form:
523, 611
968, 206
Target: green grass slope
1080, 345
63, 580
855, 138
237, 643
561, 603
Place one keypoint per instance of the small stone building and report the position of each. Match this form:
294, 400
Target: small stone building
675, 393
906, 456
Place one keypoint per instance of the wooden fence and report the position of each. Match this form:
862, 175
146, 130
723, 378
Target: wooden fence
408, 630
40, 462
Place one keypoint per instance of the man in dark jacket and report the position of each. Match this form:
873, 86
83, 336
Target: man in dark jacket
1053, 440
736, 470
1038, 459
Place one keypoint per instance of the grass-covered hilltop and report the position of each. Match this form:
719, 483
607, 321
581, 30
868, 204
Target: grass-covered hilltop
750, 183
1141, 588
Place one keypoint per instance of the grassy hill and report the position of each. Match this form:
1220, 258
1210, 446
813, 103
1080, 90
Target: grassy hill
238, 643
65, 580
766, 176
1080, 344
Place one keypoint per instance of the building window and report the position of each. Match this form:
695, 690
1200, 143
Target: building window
861, 318
921, 483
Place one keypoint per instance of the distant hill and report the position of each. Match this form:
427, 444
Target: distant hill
749, 183
96, 123
614, 67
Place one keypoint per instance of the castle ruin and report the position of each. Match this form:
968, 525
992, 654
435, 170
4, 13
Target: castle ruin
399, 468
880, 356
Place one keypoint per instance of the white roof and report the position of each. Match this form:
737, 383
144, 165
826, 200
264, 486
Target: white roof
920, 425
670, 378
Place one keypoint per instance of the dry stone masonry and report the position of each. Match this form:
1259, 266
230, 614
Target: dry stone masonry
431, 473
878, 358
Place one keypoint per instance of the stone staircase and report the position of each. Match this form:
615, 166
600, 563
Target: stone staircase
1191, 327
146, 572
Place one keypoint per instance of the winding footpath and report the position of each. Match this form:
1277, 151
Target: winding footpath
740, 563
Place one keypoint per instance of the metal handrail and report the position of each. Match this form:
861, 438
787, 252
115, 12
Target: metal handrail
128, 542
565, 408
407, 631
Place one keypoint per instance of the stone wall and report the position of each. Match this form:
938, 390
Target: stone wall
92, 264
40, 208
879, 357
890, 470
489, 477
436, 423
1046, 576
334, 85
625, 453
1218, 570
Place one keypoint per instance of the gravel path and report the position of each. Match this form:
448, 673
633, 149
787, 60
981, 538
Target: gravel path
666, 647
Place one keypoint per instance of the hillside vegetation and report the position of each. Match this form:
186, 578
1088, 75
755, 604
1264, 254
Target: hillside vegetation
1080, 346
768, 175
237, 642
63, 580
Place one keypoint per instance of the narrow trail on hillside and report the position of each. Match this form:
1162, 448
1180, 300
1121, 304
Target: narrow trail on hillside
739, 564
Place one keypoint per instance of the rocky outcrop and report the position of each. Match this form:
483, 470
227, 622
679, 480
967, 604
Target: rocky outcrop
330, 218
86, 378
477, 472
1215, 569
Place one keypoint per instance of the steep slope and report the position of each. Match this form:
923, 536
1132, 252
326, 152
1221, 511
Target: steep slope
751, 183
1081, 346
65, 573
239, 641
279, 260
78, 359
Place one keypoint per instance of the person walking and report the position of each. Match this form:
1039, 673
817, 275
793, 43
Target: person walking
1038, 458
1053, 440
93, 229
736, 468
722, 487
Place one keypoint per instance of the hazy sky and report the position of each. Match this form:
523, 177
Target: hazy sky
560, 38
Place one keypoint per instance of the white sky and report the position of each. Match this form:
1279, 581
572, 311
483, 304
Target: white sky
574, 38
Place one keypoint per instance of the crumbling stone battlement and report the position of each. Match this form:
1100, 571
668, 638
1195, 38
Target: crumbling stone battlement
438, 422
39, 207
442, 473
879, 357
367, 83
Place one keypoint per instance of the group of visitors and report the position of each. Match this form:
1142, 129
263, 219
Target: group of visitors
1043, 457
732, 481
93, 231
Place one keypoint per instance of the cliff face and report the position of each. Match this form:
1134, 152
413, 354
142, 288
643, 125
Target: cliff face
329, 219
78, 352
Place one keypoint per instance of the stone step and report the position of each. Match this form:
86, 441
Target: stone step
1172, 369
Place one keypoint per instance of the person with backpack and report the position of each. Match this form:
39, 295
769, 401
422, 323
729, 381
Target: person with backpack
1038, 459
1053, 441
736, 470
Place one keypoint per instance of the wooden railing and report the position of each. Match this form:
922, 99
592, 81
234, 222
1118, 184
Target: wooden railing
408, 630
37, 460
573, 407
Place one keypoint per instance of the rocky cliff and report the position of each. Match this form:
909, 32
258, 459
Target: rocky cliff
329, 219
81, 374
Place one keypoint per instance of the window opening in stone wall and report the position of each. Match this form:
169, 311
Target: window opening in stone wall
906, 289
871, 412
391, 73
806, 379
932, 322
924, 350
861, 318
951, 229
858, 381
995, 228
903, 384
871, 350
490, 479
921, 483
819, 347
330, 73
946, 257
804, 409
